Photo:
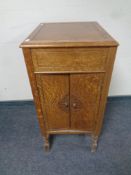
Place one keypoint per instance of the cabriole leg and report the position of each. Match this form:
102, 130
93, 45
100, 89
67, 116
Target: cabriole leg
94, 143
46, 143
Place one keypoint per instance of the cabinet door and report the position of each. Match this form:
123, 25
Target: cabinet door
54, 94
84, 100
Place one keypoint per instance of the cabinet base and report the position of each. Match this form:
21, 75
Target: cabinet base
93, 144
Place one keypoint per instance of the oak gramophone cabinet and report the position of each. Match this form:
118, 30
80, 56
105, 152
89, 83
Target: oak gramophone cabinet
69, 67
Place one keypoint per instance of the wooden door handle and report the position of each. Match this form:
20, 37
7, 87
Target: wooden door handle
74, 105
66, 104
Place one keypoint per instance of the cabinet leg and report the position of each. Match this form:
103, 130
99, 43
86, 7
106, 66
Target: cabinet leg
94, 143
46, 143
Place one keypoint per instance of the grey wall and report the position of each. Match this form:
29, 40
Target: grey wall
19, 18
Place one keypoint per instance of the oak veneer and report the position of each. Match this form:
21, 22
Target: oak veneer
69, 67
71, 59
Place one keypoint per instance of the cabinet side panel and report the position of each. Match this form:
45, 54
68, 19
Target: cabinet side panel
32, 78
105, 89
54, 92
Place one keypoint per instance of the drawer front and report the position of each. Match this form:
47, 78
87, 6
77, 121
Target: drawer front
70, 60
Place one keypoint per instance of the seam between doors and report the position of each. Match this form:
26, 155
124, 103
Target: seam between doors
69, 103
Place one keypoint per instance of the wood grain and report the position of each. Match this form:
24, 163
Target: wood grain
70, 67
69, 34
84, 99
55, 94
55, 60
105, 89
32, 78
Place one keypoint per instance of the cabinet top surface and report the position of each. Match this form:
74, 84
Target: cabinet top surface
71, 34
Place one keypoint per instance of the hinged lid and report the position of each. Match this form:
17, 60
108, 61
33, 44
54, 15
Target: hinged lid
72, 34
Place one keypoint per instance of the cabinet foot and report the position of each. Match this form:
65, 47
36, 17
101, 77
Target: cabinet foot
46, 143
94, 143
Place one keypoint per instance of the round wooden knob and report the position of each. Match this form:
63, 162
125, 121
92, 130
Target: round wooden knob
66, 104
74, 105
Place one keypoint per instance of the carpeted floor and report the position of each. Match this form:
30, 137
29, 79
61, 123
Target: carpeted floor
21, 145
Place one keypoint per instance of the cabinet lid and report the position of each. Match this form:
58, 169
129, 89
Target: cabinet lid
71, 34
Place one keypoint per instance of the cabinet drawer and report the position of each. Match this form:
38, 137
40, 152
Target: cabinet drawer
69, 59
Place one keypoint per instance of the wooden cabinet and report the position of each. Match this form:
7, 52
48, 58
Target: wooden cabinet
69, 67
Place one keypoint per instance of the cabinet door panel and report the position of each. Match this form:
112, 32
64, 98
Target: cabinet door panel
84, 99
54, 93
